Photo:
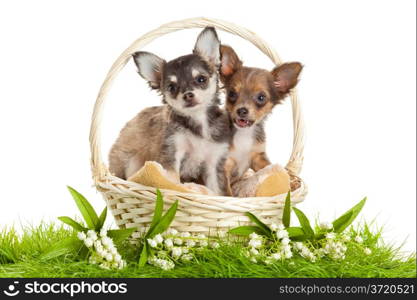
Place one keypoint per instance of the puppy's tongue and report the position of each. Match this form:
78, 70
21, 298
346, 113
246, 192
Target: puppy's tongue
242, 122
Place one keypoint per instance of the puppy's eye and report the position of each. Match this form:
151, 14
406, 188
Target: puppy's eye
201, 79
172, 87
261, 98
232, 96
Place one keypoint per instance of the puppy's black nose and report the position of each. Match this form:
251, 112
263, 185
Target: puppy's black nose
188, 97
242, 112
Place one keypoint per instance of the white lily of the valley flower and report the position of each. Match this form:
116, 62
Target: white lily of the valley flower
169, 243
203, 243
92, 260
190, 243
101, 253
358, 239
273, 227
105, 265
88, 242
367, 251
152, 243
305, 252
109, 257
92, 235
214, 245
285, 241
185, 234
253, 251
326, 225
345, 238
312, 257
178, 241
81, 236
158, 238
330, 236
103, 232
201, 236
176, 252
117, 258
280, 226
98, 244
166, 264
106, 241
186, 257
253, 236
255, 243
286, 248
113, 250
276, 256
172, 231
122, 264
288, 254
299, 245
282, 233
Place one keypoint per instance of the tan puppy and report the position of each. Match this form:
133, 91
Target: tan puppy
251, 94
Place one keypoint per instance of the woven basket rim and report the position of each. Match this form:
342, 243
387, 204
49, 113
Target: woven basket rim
123, 183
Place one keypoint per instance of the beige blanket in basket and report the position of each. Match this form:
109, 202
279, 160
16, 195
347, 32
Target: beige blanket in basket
269, 181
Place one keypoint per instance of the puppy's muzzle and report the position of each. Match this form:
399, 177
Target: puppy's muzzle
189, 99
242, 112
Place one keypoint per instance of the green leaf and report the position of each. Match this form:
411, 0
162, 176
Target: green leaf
348, 217
66, 246
143, 255
164, 222
102, 219
263, 227
77, 226
118, 235
286, 215
87, 211
295, 232
246, 230
304, 222
159, 207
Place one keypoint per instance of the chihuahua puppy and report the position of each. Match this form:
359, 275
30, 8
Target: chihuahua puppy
251, 94
189, 135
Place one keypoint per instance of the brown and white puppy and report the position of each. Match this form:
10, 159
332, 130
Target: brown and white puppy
189, 135
251, 95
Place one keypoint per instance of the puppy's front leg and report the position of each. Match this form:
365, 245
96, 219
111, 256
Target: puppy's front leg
215, 177
230, 174
170, 160
259, 160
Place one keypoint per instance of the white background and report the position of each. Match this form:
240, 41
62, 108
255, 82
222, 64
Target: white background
357, 91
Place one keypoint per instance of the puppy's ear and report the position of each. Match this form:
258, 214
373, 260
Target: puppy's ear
208, 46
149, 67
230, 62
286, 76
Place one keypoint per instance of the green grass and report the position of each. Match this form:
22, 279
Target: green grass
19, 257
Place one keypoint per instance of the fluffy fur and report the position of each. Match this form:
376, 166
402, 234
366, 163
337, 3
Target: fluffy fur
251, 95
189, 135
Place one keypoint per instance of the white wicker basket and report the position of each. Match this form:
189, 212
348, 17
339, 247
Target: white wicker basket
132, 204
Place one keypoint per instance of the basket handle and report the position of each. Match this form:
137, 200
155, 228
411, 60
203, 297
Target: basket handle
100, 170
